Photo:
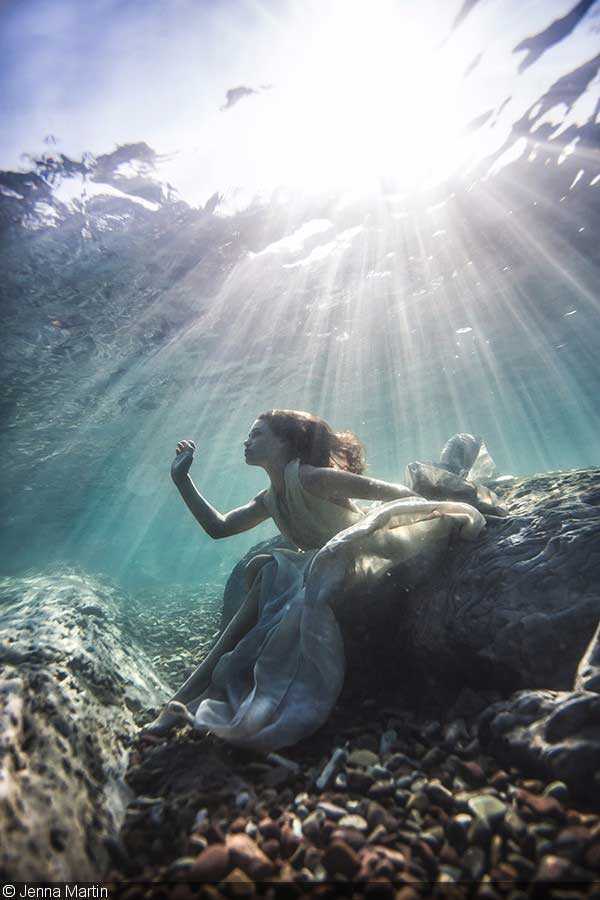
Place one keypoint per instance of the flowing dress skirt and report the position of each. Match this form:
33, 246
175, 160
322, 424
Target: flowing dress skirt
281, 681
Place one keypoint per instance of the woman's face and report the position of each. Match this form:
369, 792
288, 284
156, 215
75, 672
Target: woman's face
262, 446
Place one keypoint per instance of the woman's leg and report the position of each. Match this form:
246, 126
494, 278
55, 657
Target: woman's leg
241, 623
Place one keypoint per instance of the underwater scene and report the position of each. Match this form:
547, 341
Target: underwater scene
300, 418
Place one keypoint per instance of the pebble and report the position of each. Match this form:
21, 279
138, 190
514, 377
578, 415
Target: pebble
269, 829
359, 780
242, 799
353, 821
378, 833
399, 760
379, 771
337, 760
381, 789
404, 782
212, 864
340, 858
488, 808
418, 801
350, 836
363, 758
558, 790
331, 810
439, 795
245, 854
311, 826
251, 830
552, 868
474, 861
420, 811
539, 805
457, 830
479, 833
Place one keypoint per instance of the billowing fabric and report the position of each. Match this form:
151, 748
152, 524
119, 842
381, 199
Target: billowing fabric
464, 464
282, 679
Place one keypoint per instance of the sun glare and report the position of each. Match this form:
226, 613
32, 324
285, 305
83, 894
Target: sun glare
376, 96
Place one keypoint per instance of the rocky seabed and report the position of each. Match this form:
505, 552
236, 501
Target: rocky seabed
488, 789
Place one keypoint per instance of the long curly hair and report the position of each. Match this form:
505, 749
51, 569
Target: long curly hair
315, 442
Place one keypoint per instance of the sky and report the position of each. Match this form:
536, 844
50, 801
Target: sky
343, 90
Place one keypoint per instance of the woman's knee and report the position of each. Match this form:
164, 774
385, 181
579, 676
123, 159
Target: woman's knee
254, 569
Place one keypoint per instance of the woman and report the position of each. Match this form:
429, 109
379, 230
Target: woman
276, 671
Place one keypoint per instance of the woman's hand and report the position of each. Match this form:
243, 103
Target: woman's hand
184, 456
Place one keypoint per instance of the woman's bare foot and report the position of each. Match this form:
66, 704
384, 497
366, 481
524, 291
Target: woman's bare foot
180, 710
164, 723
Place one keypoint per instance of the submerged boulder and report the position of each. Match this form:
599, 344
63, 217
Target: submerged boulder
72, 680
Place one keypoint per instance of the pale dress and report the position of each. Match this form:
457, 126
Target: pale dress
281, 681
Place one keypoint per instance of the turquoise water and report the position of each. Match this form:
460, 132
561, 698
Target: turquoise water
402, 313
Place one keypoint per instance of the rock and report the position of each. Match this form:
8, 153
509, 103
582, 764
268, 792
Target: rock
353, 821
572, 842
553, 733
552, 869
474, 863
268, 828
558, 790
248, 856
211, 865
359, 780
541, 807
351, 836
439, 795
489, 809
473, 773
418, 801
363, 758
339, 858
480, 832
70, 690
331, 810
376, 814
457, 830
400, 760
311, 826
381, 789
337, 760
238, 878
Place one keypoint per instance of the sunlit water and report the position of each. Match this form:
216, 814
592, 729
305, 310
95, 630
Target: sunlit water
403, 311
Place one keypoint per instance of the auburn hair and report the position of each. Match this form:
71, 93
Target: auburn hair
315, 442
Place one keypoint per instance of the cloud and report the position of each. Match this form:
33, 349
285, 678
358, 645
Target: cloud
234, 95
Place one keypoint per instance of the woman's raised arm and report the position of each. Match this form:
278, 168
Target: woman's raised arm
215, 524
338, 483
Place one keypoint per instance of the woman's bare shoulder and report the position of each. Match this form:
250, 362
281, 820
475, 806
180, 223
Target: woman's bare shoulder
315, 479
310, 475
